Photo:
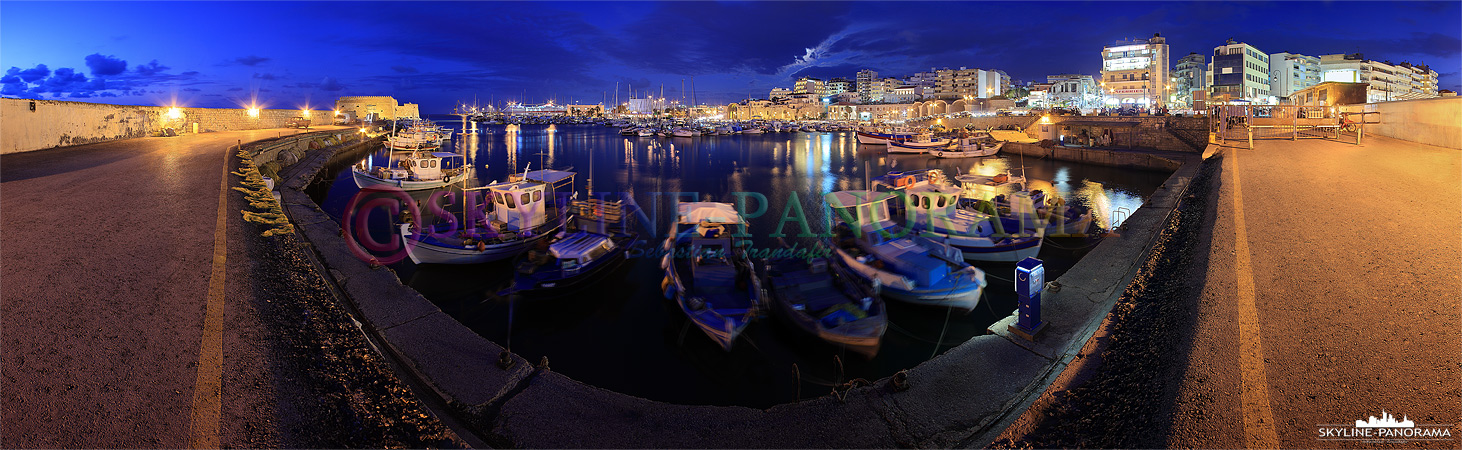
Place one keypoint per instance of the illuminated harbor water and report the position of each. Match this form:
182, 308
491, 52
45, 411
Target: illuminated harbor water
621, 334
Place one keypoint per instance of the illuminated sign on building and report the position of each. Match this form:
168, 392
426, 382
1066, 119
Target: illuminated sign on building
1127, 48
1343, 76
1127, 63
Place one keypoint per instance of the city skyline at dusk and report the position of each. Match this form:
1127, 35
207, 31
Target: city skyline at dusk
281, 55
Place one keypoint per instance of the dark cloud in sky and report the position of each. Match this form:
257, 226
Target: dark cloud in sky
264, 76
251, 60
105, 65
152, 68
63, 79
330, 84
692, 38
29, 75
404, 69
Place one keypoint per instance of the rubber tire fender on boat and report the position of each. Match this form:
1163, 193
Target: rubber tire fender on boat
939, 153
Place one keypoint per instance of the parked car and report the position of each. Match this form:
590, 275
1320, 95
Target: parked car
297, 122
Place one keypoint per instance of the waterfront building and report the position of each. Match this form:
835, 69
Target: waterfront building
904, 94
1189, 76
1329, 93
584, 110
967, 83
926, 81
376, 107
888, 112
808, 87
867, 79
1385, 81
1135, 73
648, 105
1073, 91
769, 110
779, 94
1290, 72
1239, 72
837, 86
1039, 96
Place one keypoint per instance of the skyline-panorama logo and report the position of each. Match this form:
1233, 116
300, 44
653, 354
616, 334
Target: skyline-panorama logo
1384, 429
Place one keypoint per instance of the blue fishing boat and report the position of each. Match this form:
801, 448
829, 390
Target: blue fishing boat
907, 267
594, 242
711, 279
827, 302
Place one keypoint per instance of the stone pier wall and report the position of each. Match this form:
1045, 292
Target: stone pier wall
983, 122
53, 123
1433, 121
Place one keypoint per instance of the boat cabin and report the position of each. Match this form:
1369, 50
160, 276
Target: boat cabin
427, 166
870, 209
524, 204
897, 181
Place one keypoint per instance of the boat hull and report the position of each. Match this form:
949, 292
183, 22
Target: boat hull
423, 252
867, 138
991, 250
525, 285
916, 147
364, 180
958, 152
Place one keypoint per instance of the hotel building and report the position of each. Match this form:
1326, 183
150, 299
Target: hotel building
1385, 81
1239, 72
1289, 72
1135, 73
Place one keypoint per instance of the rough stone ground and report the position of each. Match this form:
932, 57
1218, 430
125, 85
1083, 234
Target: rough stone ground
338, 392
1125, 372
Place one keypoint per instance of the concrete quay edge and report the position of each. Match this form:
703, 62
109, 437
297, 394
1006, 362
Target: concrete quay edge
1084, 299
963, 397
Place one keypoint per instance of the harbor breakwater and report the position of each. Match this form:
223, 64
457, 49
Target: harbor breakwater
509, 401
28, 125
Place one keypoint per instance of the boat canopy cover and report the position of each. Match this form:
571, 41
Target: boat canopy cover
848, 199
549, 176
697, 212
579, 246
445, 155
908, 258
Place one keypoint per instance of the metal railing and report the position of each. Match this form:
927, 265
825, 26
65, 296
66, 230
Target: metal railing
1293, 122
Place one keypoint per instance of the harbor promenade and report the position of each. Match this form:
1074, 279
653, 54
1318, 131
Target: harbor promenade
1331, 293
131, 308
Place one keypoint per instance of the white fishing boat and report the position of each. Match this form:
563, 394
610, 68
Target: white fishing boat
418, 171
981, 144
523, 211
920, 143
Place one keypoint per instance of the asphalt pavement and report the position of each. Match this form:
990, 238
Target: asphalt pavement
1332, 292
107, 257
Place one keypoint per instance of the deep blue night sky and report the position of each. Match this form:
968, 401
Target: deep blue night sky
284, 54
